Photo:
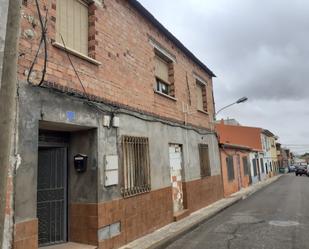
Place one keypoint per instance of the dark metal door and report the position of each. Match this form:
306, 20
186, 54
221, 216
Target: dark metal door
52, 195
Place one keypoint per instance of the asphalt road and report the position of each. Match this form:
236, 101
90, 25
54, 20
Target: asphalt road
276, 217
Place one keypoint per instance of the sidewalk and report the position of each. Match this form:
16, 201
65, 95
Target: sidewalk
166, 235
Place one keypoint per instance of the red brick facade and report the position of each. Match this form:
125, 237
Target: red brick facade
119, 69
126, 73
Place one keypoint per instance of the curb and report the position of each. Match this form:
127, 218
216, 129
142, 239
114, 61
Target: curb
162, 244
170, 234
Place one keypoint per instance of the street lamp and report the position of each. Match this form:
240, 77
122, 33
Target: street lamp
241, 100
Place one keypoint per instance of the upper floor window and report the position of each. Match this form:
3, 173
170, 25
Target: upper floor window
72, 24
201, 95
164, 74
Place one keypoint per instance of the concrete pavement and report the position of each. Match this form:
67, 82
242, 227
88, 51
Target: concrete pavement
166, 235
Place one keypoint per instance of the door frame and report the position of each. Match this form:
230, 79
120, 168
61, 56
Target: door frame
53, 145
239, 176
184, 201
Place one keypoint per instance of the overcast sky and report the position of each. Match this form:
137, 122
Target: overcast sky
258, 49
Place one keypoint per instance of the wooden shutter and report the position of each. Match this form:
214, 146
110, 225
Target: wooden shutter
245, 165
161, 69
204, 160
230, 168
72, 24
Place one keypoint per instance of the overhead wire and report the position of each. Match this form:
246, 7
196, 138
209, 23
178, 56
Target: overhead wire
114, 108
43, 41
76, 73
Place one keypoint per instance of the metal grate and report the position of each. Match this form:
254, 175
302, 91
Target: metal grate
136, 166
51, 196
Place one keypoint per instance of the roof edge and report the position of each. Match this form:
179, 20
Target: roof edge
145, 13
236, 146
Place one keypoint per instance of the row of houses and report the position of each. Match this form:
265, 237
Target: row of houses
249, 155
115, 129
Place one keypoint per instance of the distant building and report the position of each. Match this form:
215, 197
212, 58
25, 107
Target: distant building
270, 154
285, 158
242, 156
228, 121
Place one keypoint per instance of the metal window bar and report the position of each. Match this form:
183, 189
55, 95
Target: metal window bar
136, 166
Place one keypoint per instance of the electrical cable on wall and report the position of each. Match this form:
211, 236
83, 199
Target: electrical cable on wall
188, 87
76, 73
115, 109
43, 41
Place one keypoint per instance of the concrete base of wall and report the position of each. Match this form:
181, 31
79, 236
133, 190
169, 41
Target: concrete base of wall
138, 215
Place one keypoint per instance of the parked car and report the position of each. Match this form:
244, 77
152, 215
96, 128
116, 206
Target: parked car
308, 170
292, 168
301, 170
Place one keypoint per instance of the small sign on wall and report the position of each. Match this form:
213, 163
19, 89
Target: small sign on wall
111, 170
70, 116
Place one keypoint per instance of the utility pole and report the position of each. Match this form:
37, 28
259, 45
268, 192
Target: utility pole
9, 38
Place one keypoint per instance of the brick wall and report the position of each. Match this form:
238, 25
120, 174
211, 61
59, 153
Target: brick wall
119, 40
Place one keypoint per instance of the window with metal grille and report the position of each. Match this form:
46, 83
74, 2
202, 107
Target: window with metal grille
72, 24
201, 96
245, 163
230, 168
204, 160
136, 166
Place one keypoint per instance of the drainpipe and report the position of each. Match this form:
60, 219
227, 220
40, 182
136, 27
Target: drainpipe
8, 95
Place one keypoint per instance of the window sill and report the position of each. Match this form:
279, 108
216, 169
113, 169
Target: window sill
76, 53
165, 95
202, 111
